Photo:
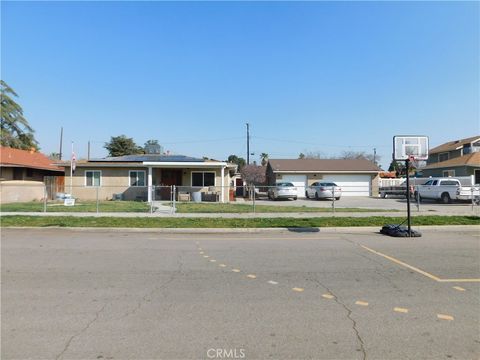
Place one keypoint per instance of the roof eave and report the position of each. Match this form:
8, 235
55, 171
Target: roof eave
326, 171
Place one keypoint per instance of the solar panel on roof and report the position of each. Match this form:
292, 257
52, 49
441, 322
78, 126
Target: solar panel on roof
149, 158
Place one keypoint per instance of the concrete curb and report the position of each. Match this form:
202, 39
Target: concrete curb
325, 230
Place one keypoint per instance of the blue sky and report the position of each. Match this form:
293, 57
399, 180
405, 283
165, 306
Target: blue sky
308, 76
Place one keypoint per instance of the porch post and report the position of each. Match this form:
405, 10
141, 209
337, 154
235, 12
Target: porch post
222, 191
149, 184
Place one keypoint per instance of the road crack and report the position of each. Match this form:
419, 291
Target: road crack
67, 345
349, 317
157, 288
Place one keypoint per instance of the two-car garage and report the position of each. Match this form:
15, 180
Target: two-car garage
356, 177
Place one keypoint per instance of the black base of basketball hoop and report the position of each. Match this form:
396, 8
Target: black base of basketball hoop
399, 231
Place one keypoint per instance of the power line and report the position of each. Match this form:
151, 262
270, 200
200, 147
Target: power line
317, 144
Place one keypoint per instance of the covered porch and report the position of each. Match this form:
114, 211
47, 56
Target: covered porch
206, 181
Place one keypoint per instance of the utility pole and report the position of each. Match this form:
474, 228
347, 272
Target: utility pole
375, 156
61, 142
248, 144
88, 151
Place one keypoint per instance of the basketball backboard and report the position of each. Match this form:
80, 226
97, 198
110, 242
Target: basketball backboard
407, 146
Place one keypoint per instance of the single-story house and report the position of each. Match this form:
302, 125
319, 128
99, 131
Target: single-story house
455, 158
150, 177
16, 164
356, 177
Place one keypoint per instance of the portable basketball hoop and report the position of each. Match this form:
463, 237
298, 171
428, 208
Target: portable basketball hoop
411, 149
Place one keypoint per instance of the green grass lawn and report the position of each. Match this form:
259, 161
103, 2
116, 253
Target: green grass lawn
148, 222
80, 206
246, 208
138, 206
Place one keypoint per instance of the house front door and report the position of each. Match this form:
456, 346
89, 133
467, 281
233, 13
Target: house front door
171, 177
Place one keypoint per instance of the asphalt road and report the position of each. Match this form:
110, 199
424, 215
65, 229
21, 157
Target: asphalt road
73, 294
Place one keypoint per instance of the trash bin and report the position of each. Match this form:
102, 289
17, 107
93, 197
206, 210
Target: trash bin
196, 196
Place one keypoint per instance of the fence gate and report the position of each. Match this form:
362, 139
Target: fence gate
54, 185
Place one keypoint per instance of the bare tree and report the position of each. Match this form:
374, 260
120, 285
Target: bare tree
314, 155
349, 154
253, 174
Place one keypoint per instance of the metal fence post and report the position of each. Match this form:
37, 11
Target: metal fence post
473, 202
174, 193
253, 198
98, 206
45, 199
333, 199
152, 197
418, 199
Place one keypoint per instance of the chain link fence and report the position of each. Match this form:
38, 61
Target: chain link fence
173, 199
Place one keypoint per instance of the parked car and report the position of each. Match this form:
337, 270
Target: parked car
283, 190
323, 190
445, 190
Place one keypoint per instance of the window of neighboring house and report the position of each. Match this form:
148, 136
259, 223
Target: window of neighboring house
17, 173
93, 178
443, 156
203, 179
137, 177
447, 173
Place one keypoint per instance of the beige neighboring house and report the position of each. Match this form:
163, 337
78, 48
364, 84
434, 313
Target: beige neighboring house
150, 177
356, 177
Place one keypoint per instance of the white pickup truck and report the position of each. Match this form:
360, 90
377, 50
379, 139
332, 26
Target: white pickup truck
446, 190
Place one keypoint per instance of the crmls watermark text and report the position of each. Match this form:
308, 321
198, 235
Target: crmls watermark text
226, 353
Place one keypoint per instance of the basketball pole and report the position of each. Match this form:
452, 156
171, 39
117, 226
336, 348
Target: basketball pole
407, 166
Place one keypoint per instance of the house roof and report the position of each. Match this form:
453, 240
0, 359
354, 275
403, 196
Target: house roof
155, 160
454, 145
472, 159
149, 158
28, 159
323, 165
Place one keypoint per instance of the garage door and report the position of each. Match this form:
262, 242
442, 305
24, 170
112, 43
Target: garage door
298, 180
352, 185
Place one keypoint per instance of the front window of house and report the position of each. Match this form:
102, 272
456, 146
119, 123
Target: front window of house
93, 178
203, 179
137, 178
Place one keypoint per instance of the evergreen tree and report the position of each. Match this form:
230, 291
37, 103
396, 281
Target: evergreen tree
15, 131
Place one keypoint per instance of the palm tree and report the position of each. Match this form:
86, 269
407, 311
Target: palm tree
264, 158
15, 131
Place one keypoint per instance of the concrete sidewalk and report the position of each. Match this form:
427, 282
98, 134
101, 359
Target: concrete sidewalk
475, 212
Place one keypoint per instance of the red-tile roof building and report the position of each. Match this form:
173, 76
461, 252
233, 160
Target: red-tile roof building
16, 164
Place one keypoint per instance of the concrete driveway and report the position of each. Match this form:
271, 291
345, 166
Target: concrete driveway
426, 206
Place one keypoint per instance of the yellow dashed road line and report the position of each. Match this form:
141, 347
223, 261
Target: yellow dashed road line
222, 265
297, 289
272, 282
400, 310
236, 270
361, 303
206, 256
459, 288
328, 296
213, 260
445, 317
251, 276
